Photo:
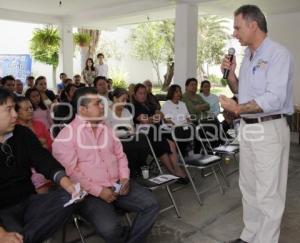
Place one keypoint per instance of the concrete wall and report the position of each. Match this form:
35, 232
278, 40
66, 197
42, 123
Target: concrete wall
284, 29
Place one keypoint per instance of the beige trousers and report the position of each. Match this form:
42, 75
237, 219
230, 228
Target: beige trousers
264, 156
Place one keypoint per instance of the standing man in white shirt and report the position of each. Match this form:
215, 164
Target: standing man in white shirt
101, 67
264, 86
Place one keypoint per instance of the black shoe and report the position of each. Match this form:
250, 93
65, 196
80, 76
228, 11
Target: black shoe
236, 241
183, 180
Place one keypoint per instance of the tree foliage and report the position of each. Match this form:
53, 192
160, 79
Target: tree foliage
212, 36
45, 44
154, 41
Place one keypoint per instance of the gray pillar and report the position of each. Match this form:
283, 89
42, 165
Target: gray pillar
186, 29
67, 49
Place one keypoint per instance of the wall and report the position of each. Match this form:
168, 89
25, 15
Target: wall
284, 29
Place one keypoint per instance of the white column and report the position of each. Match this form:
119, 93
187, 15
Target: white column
67, 49
186, 28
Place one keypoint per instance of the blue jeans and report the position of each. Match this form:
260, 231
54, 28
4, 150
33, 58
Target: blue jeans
38, 217
104, 217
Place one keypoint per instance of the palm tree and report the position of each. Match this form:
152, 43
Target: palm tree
44, 47
212, 36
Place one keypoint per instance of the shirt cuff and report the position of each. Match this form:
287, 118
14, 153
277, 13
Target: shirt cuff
58, 175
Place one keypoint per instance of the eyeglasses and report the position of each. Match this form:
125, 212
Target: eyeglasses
10, 158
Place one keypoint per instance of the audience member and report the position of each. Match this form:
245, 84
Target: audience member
110, 84
121, 121
18, 88
210, 98
24, 215
24, 111
94, 157
40, 111
63, 111
89, 72
197, 107
146, 114
101, 67
131, 92
63, 77
77, 81
176, 113
151, 97
48, 97
101, 85
29, 82
8, 82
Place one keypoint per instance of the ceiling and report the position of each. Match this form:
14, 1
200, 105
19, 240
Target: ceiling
111, 13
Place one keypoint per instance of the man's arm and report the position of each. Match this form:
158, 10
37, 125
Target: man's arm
231, 106
65, 152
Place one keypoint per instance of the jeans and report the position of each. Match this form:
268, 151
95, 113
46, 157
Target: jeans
38, 217
105, 219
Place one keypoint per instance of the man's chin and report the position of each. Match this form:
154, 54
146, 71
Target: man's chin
11, 127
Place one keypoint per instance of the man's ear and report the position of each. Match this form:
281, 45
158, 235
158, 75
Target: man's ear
82, 110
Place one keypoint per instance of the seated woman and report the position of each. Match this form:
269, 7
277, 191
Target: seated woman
165, 149
211, 99
121, 121
176, 113
47, 96
24, 110
63, 111
40, 111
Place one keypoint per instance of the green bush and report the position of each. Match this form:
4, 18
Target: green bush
118, 78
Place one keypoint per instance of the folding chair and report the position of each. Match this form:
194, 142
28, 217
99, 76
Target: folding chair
196, 161
166, 185
228, 149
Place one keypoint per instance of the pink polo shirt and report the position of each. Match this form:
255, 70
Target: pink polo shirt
95, 160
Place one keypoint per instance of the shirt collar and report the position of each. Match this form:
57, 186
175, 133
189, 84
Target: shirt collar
79, 121
7, 136
264, 43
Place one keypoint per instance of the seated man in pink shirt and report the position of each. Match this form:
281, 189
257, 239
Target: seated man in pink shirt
94, 157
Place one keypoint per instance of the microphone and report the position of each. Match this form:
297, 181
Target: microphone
231, 52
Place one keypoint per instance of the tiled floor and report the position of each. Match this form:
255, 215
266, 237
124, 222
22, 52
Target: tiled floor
220, 218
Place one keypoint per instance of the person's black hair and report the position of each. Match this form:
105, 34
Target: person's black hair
38, 79
172, 90
189, 80
29, 77
18, 100
5, 94
86, 64
138, 86
202, 84
118, 92
76, 75
61, 74
81, 92
100, 54
41, 104
253, 13
65, 91
99, 78
6, 78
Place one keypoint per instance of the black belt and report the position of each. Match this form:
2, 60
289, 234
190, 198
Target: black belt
262, 119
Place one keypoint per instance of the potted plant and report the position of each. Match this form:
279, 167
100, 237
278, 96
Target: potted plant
82, 39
